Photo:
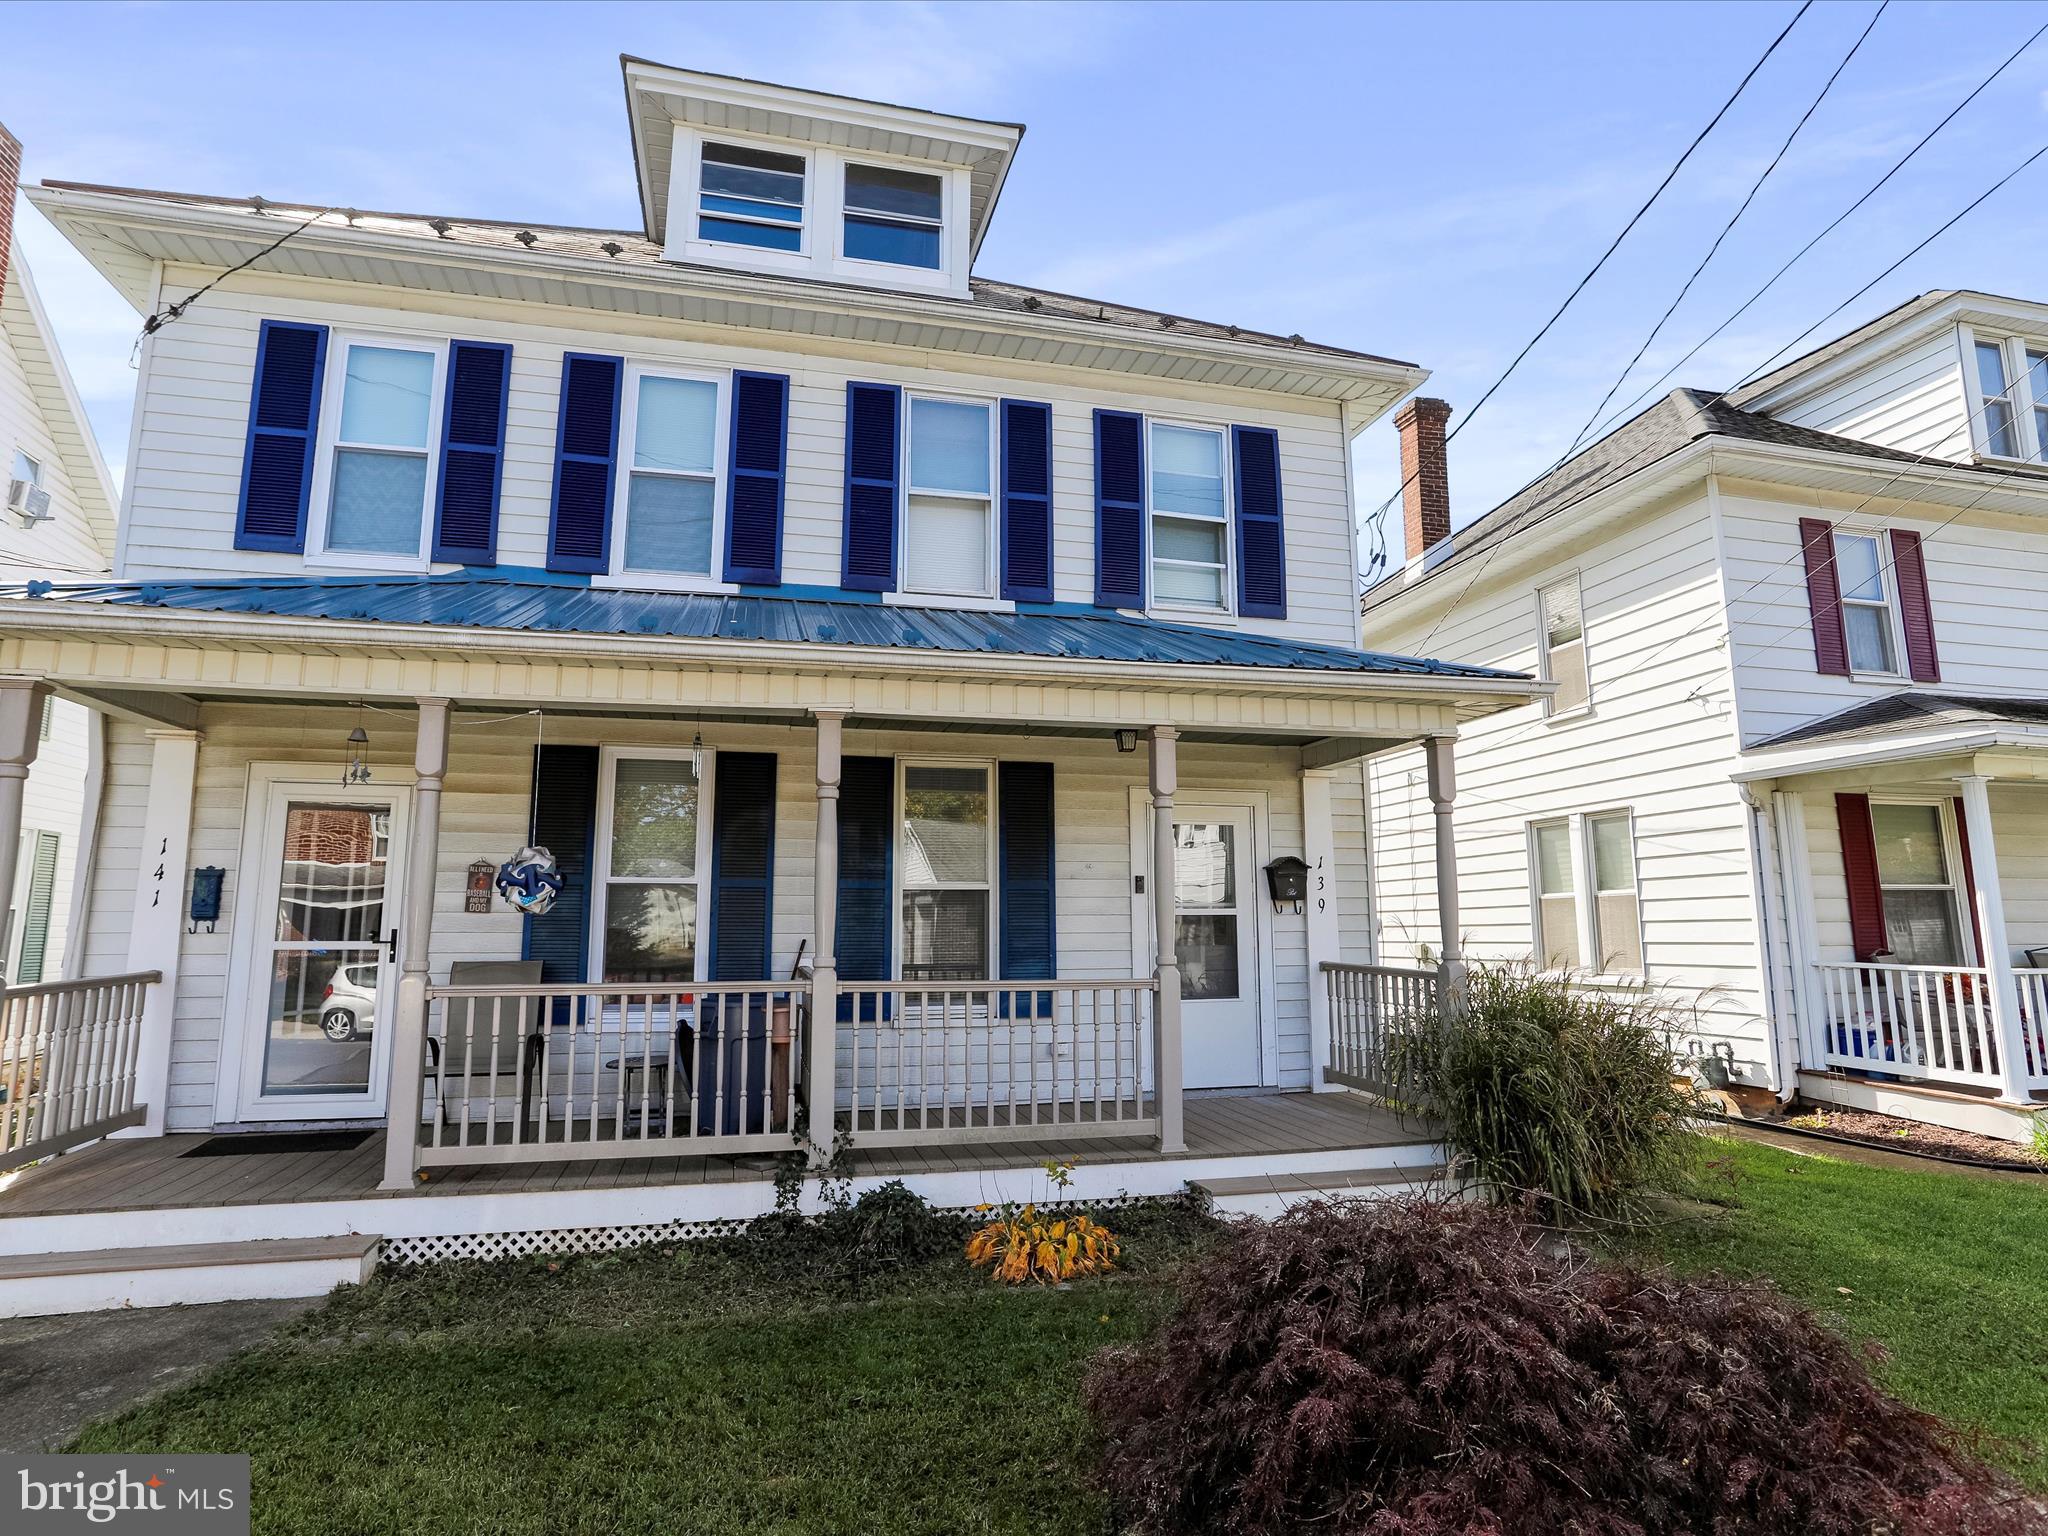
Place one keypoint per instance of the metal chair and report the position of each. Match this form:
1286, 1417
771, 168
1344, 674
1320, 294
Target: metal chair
468, 1049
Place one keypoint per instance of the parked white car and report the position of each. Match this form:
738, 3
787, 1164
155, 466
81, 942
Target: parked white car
348, 1007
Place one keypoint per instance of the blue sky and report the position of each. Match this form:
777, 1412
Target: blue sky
1424, 182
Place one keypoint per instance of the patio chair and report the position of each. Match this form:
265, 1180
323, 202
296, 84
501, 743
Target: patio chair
468, 1051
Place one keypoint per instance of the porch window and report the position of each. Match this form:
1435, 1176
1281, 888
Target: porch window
669, 521
894, 216
1922, 917
380, 469
654, 827
748, 196
948, 539
948, 854
1563, 655
1557, 908
1867, 620
1190, 513
1617, 923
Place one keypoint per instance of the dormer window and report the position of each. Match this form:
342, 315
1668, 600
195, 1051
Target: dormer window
748, 196
895, 216
2011, 418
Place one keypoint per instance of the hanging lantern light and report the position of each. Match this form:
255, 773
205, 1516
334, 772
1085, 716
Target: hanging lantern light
358, 769
697, 758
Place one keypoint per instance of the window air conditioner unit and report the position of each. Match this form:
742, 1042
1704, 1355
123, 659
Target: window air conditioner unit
34, 505
17, 494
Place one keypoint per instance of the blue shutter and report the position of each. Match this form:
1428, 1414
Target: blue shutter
1119, 509
742, 865
867, 841
754, 479
1027, 501
1025, 869
472, 452
586, 459
868, 558
1261, 540
284, 421
564, 823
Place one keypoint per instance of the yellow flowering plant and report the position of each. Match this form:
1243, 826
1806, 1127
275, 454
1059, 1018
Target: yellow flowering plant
1048, 1247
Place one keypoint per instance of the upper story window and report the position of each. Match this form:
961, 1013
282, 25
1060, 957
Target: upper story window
25, 468
1563, 649
1868, 622
383, 416
948, 863
949, 508
671, 446
894, 216
1189, 500
749, 196
2011, 416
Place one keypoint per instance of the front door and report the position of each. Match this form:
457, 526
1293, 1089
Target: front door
1216, 928
324, 974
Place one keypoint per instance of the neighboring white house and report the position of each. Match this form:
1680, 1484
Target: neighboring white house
1791, 772
56, 521
893, 660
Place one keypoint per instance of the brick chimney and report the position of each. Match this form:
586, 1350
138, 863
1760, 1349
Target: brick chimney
1425, 474
10, 179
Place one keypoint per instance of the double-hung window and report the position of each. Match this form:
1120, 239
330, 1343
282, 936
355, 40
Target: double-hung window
947, 859
654, 823
1564, 646
1922, 917
383, 410
948, 532
1617, 921
672, 453
894, 216
25, 468
1583, 893
1557, 902
2011, 416
1190, 517
750, 196
1868, 621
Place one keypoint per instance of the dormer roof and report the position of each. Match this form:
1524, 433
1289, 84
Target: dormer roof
661, 95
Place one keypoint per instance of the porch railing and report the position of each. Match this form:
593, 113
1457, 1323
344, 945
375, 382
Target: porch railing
67, 1063
547, 1074
2033, 987
1366, 1003
1920, 1023
992, 1061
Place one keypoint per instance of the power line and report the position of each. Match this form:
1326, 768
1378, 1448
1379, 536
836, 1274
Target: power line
171, 312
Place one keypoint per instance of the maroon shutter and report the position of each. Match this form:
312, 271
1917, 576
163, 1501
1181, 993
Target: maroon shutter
1859, 865
1969, 879
1824, 596
1917, 613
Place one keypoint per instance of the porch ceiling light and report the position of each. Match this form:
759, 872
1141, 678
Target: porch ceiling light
1127, 741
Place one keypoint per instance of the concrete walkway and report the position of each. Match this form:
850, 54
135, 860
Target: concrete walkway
59, 1373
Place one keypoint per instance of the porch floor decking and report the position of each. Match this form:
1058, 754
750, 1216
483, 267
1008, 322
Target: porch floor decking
151, 1173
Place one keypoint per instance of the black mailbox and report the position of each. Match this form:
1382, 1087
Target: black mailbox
1287, 880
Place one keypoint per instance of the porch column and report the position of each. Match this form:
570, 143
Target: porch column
1166, 1059
21, 719
1443, 789
2004, 989
156, 932
821, 1061
409, 1027
1325, 938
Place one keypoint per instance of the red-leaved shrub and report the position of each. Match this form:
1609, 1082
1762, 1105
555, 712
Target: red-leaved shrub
1417, 1368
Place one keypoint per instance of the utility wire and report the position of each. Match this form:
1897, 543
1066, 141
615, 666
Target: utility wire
171, 312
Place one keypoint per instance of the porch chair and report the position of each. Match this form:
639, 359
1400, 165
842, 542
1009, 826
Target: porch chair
467, 1053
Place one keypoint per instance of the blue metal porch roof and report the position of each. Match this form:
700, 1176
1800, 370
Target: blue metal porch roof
538, 602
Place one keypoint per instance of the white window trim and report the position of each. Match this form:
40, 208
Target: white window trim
318, 555
601, 854
618, 574
1585, 900
1952, 860
1227, 614
1536, 894
2026, 425
1543, 670
35, 467
992, 573
822, 251
1590, 920
1895, 619
898, 886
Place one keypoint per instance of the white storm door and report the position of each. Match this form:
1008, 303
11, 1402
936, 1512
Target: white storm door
324, 978
1217, 929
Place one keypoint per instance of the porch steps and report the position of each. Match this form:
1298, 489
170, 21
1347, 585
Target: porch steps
1269, 1194
43, 1284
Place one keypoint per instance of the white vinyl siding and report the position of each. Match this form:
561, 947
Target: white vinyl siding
1916, 400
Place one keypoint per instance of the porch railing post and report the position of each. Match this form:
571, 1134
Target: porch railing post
409, 1032
2000, 981
1166, 1054
156, 933
820, 1066
1443, 791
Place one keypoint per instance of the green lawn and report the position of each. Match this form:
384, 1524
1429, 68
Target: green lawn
1948, 1272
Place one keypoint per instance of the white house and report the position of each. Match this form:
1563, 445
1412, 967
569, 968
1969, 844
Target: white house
929, 689
1790, 770
56, 521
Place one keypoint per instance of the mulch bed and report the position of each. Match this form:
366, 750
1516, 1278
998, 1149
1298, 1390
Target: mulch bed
1898, 1135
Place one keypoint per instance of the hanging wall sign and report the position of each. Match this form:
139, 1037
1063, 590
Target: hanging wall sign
477, 897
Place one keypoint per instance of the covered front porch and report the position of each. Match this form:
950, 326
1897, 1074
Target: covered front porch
1912, 895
